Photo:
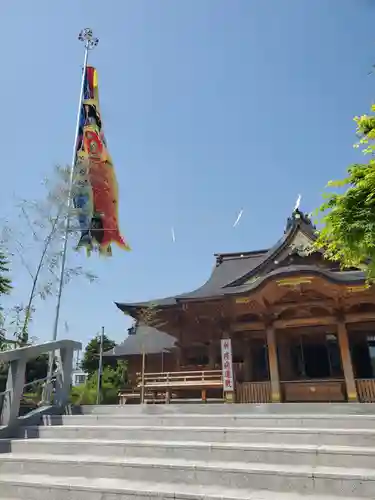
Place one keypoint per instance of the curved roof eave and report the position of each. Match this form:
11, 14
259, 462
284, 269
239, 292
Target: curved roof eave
133, 307
343, 277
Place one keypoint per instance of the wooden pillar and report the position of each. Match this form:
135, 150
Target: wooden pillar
346, 361
273, 364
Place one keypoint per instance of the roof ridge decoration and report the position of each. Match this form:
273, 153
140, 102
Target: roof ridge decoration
297, 222
305, 246
303, 249
298, 215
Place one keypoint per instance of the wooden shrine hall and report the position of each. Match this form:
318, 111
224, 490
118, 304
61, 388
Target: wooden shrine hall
301, 329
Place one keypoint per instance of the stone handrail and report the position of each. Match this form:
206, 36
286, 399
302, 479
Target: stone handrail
17, 359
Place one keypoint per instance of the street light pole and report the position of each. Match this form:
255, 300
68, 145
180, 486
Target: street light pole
100, 370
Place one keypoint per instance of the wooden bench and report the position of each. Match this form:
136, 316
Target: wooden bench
167, 382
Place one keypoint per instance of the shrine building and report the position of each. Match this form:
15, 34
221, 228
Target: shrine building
301, 328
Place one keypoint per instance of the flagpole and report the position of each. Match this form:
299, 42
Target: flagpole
90, 42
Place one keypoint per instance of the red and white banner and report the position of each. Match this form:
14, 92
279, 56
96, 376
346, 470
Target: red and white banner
227, 365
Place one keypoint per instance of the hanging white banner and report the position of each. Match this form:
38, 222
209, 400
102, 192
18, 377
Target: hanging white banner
227, 365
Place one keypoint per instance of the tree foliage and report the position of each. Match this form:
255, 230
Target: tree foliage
348, 215
35, 240
5, 288
113, 380
90, 362
5, 281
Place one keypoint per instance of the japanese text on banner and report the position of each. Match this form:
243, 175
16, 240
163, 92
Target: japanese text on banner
227, 365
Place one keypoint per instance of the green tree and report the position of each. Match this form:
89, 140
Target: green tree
90, 362
5, 282
348, 215
113, 380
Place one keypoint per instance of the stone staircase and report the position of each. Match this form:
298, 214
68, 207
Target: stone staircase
227, 452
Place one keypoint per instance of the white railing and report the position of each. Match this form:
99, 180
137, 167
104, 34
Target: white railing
17, 359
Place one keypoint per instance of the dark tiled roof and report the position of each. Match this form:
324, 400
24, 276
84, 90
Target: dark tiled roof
241, 272
223, 273
145, 339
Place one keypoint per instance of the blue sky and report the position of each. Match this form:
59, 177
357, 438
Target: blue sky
208, 106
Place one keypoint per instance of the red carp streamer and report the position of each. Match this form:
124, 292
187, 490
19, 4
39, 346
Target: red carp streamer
95, 193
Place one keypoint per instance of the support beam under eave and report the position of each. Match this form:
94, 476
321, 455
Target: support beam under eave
273, 364
346, 359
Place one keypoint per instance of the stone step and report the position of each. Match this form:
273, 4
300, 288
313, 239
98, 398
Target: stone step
44, 487
281, 435
245, 420
277, 478
311, 455
236, 409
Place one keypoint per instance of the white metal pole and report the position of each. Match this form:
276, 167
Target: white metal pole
98, 390
143, 376
90, 42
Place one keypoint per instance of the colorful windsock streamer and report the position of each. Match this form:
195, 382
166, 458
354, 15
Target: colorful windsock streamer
95, 194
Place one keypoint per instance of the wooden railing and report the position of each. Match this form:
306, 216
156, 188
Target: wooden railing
167, 385
313, 390
253, 392
187, 378
129, 394
366, 390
